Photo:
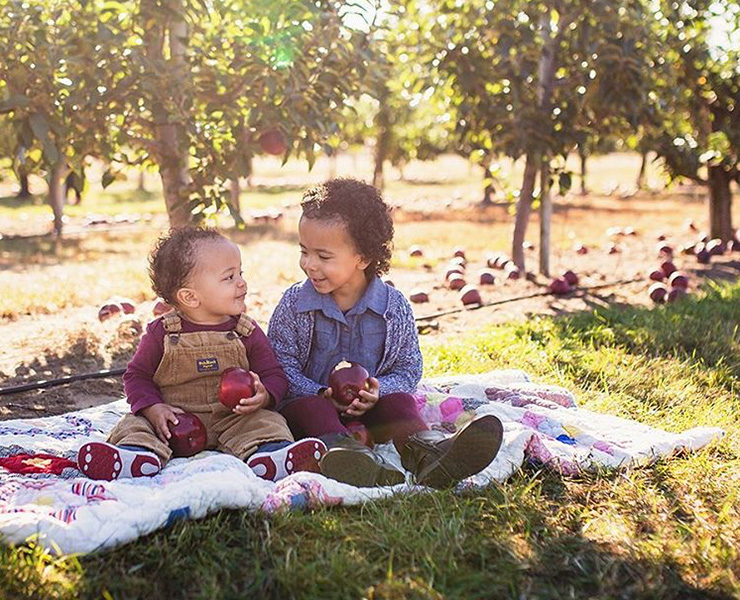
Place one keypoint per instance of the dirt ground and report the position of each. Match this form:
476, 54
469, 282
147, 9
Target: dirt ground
41, 347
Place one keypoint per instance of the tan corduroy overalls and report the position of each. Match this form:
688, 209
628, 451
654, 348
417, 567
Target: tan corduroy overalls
188, 377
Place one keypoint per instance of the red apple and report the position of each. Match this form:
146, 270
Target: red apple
470, 296
581, 249
657, 275
161, 308
416, 251
667, 267
661, 237
188, 436
658, 293
456, 281
458, 260
494, 260
559, 286
512, 271
687, 249
527, 245
272, 141
733, 245
629, 231
418, 296
108, 310
570, 277
678, 280
459, 252
128, 306
236, 383
454, 270
702, 254
716, 247
676, 293
346, 381
486, 277
665, 250
613, 249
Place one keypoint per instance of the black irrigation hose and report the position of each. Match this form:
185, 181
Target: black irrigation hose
517, 298
115, 372
45, 383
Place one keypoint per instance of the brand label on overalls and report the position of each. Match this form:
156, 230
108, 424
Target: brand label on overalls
206, 365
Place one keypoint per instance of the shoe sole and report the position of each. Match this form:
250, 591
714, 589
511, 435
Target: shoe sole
357, 469
474, 448
106, 462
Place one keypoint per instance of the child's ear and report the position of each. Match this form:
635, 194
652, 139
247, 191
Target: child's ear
187, 297
363, 264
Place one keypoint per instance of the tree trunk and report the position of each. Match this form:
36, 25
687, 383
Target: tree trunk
720, 203
171, 137
234, 196
141, 185
523, 208
545, 218
546, 81
56, 176
584, 159
488, 188
382, 144
25, 191
642, 175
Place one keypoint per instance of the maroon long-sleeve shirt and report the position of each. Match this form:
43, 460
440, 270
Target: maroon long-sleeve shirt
138, 380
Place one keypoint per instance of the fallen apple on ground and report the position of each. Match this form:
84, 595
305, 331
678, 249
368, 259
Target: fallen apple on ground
346, 381
570, 277
470, 296
188, 436
676, 293
657, 275
416, 251
678, 280
236, 383
559, 286
418, 296
127, 305
487, 277
160, 308
702, 254
581, 249
668, 267
456, 281
658, 293
459, 252
108, 310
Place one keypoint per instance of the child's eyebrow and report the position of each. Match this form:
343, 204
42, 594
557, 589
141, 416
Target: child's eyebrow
227, 269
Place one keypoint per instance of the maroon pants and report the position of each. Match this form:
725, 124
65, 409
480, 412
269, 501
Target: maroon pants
394, 417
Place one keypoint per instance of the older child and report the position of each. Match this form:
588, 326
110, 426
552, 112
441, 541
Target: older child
343, 311
177, 368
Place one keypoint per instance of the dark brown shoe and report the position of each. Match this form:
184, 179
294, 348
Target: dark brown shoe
349, 461
441, 460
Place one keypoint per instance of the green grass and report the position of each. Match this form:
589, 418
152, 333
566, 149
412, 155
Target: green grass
669, 531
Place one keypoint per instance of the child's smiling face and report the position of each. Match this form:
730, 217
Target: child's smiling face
216, 283
331, 261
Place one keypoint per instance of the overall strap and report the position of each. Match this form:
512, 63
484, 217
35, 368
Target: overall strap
245, 326
172, 325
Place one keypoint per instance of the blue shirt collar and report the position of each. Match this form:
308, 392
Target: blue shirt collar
375, 298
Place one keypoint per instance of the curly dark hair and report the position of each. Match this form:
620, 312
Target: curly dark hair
172, 259
361, 208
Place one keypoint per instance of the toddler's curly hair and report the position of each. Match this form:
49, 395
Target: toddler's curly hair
173, 259
361, 208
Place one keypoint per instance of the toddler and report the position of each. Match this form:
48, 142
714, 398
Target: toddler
343, 311
177, 368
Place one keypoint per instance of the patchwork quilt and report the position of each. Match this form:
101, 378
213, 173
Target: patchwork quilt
45, 498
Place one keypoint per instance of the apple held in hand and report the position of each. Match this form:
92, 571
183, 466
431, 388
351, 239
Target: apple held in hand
236, 383
346, 381
108, 310
188, 436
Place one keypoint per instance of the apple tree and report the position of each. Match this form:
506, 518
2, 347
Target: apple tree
55, 85
697, 132
524, 72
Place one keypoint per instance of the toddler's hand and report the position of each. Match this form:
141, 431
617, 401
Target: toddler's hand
261, 398
367, 399
159, 415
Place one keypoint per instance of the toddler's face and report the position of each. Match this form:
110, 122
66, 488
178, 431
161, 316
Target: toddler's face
217, 280
329, 257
